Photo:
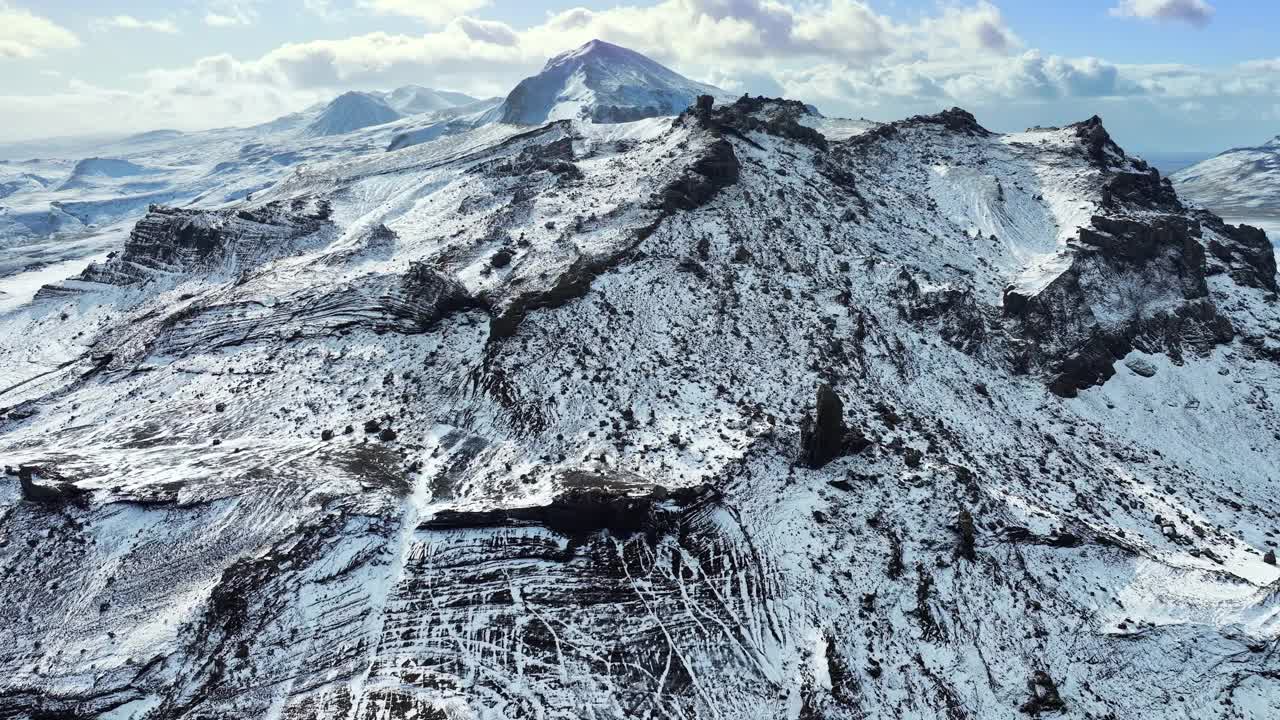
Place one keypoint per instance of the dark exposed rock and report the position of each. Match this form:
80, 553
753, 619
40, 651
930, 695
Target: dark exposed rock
583, 511
1131, 285
1245, 253
387, 435
1144, 190
326, 435
170, 239
554, 157
1018, 534
773, 116
1044, 695
52, 490
500, 259
967, 531
912, 457
954, 120
1101, 150
372, 426
959, 318
427, 296
957, 120
716, 169
1270, 557
823, 437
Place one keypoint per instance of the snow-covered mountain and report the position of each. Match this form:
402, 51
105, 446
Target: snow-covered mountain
415, 100
352, 111
601, 83
1242, 184
52, 228
708, 417
743, 413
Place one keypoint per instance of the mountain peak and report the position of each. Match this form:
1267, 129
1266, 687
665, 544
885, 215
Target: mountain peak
352, 111
597, 49
416, 99
604, 83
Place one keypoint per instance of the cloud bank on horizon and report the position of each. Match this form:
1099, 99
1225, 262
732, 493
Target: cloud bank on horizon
849, 57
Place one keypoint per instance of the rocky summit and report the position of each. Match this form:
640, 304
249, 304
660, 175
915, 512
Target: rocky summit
737, 413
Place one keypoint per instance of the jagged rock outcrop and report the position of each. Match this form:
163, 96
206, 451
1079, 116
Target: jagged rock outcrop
716, 169
823, 437
774, 116
1101, 150
51, 490
172, 241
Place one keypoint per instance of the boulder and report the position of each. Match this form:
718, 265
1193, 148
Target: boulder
822, 439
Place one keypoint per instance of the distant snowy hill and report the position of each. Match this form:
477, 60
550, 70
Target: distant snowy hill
415, 100
1242, 184
603, 83
352, 111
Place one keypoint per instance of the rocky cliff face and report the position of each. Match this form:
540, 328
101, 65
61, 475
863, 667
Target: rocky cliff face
708, 417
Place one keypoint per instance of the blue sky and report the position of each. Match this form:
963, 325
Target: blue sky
1194, 75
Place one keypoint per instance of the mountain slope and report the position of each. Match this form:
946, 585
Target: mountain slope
707, 417
349, 112
415, 100
601, 82
1243, 183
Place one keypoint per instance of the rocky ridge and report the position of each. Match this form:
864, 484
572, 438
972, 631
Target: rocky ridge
711, 416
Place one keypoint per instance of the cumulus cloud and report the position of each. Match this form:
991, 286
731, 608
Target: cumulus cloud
24, 34
1027, 77
431, 12
1193, 12
977, 28
128, 22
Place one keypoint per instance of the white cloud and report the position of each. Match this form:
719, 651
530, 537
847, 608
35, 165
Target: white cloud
1270, 65
431, 12
1193, 12
26, 35
128, 22
230, 13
